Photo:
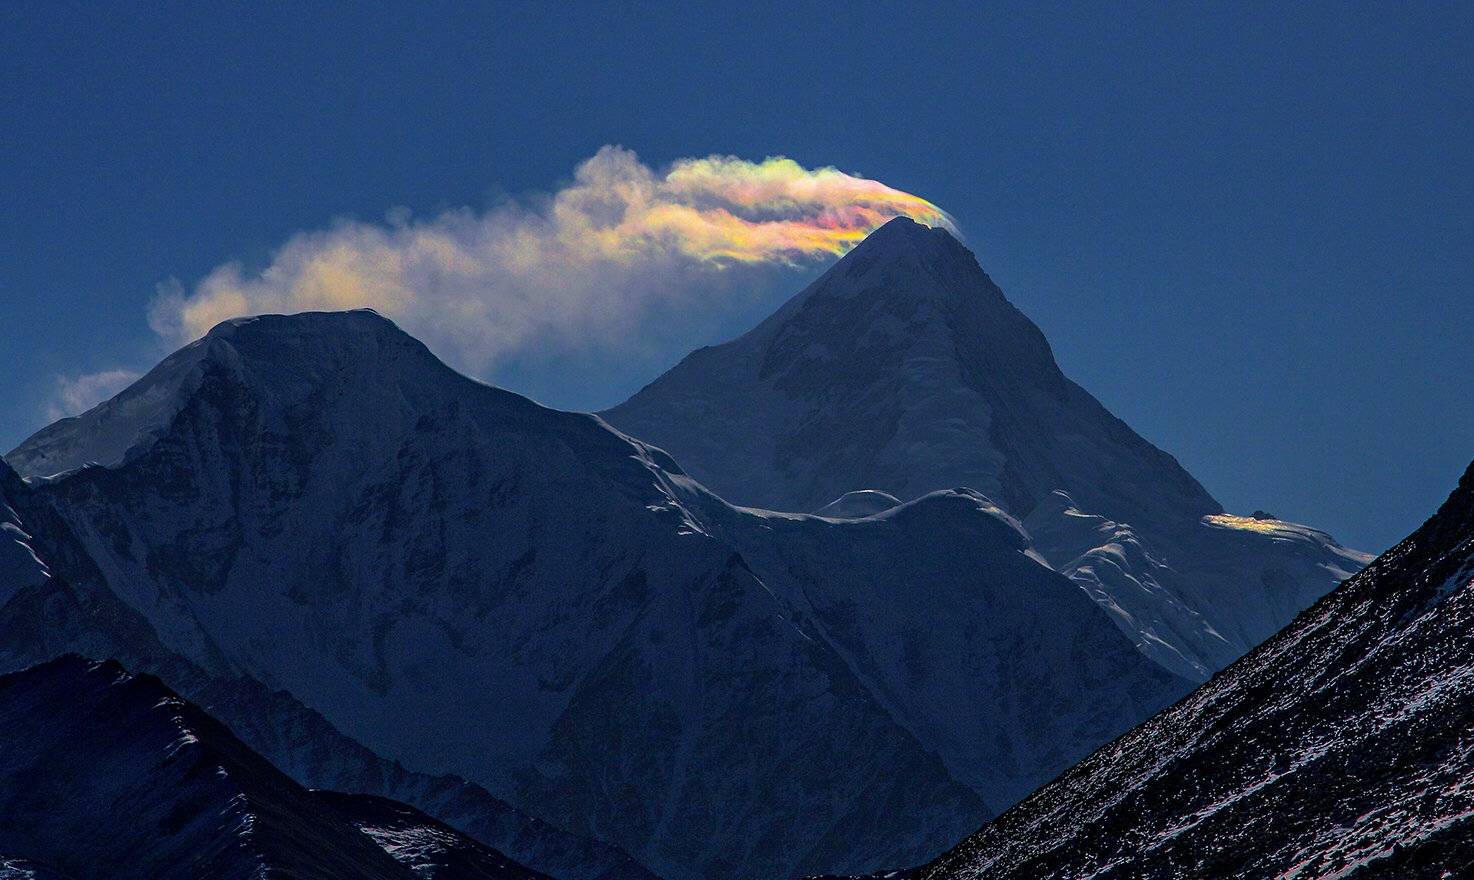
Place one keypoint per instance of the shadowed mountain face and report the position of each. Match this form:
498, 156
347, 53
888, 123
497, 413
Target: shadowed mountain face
111, 776
107, 775
904, 370
63, 605
469, 583
1340, 748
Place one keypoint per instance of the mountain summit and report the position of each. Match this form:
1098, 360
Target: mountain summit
904, 370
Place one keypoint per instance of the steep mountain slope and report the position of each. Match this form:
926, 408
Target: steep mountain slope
63, 605
108, 775
942, 608
469, 583
1340, 748
904, 370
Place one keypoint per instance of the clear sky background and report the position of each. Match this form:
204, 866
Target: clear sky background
1248, 230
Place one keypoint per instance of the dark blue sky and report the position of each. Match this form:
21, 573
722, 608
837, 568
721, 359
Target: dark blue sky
1249, 231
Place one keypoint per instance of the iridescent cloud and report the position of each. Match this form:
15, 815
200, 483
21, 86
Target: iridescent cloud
586, 262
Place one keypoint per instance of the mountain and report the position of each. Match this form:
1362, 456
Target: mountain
1339, 748
63, 605
107, 775
945, 612
1198, 596
470, 584
904, 370
104, 774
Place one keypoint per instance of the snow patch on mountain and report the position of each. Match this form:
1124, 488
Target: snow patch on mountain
859, 504
25, 869
19, 566
431, 849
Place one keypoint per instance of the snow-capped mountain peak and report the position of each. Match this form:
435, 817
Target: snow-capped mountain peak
903, 247
112, 431
903, 370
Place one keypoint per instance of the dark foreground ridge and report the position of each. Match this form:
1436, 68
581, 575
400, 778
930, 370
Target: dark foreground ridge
105, 775
1340, 748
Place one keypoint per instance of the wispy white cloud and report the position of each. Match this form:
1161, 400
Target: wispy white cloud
582, 266
77, 394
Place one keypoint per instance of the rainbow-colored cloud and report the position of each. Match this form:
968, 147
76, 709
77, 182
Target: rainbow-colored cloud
723, 207
586, 260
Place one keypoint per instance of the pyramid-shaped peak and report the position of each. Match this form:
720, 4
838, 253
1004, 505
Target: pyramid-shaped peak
902, 368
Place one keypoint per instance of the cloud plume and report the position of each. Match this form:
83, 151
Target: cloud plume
578, 267
76, 394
